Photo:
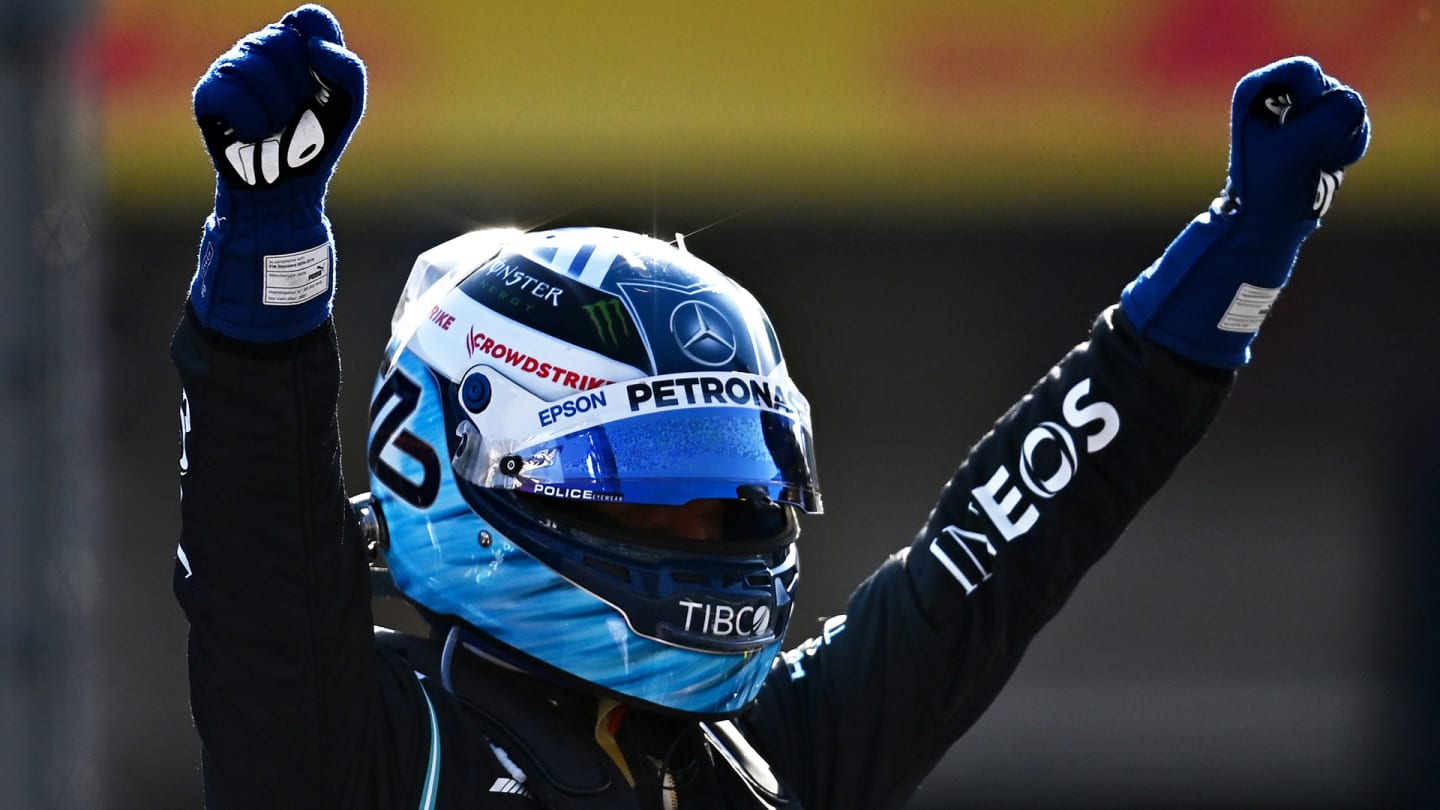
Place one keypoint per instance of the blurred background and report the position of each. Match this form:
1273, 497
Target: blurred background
932, 199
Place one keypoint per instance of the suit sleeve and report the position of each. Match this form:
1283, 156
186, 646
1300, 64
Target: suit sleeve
856, 717
271, 573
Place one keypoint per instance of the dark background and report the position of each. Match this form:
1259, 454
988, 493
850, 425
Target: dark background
1258, 637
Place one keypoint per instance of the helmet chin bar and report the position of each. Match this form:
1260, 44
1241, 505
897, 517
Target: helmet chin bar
462, 640
714, 597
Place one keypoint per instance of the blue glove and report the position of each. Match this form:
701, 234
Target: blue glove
275, 111
1293, 130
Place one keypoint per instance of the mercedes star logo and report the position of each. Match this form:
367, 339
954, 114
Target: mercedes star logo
703, 332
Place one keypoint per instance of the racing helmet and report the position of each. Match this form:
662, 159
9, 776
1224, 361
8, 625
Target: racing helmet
532, 379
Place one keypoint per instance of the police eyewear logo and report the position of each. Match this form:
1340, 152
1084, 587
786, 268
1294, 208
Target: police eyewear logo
703, 333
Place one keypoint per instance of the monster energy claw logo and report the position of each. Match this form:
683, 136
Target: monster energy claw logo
605, 315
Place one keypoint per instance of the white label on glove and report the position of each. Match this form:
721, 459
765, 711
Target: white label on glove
294, 278
1248, 309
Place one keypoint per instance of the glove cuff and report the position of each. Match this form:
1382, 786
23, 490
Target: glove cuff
265, 280
1208, 293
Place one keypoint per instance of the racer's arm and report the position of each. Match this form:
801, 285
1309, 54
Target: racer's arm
270, 569
858, 716
865, 710
270, 572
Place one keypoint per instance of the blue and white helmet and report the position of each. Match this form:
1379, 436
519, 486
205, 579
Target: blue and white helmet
531, 376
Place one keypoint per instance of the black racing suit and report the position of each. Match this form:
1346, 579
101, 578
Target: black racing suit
300, 704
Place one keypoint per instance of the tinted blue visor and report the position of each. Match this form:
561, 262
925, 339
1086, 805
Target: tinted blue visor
658, 440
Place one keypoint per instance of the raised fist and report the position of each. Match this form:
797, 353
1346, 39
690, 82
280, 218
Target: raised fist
1293, 130
276, 111
283, 102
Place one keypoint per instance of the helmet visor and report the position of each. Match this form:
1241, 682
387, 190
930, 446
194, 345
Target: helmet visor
660, 440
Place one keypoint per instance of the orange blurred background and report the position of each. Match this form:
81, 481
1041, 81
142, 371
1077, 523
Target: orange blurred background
851, 104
